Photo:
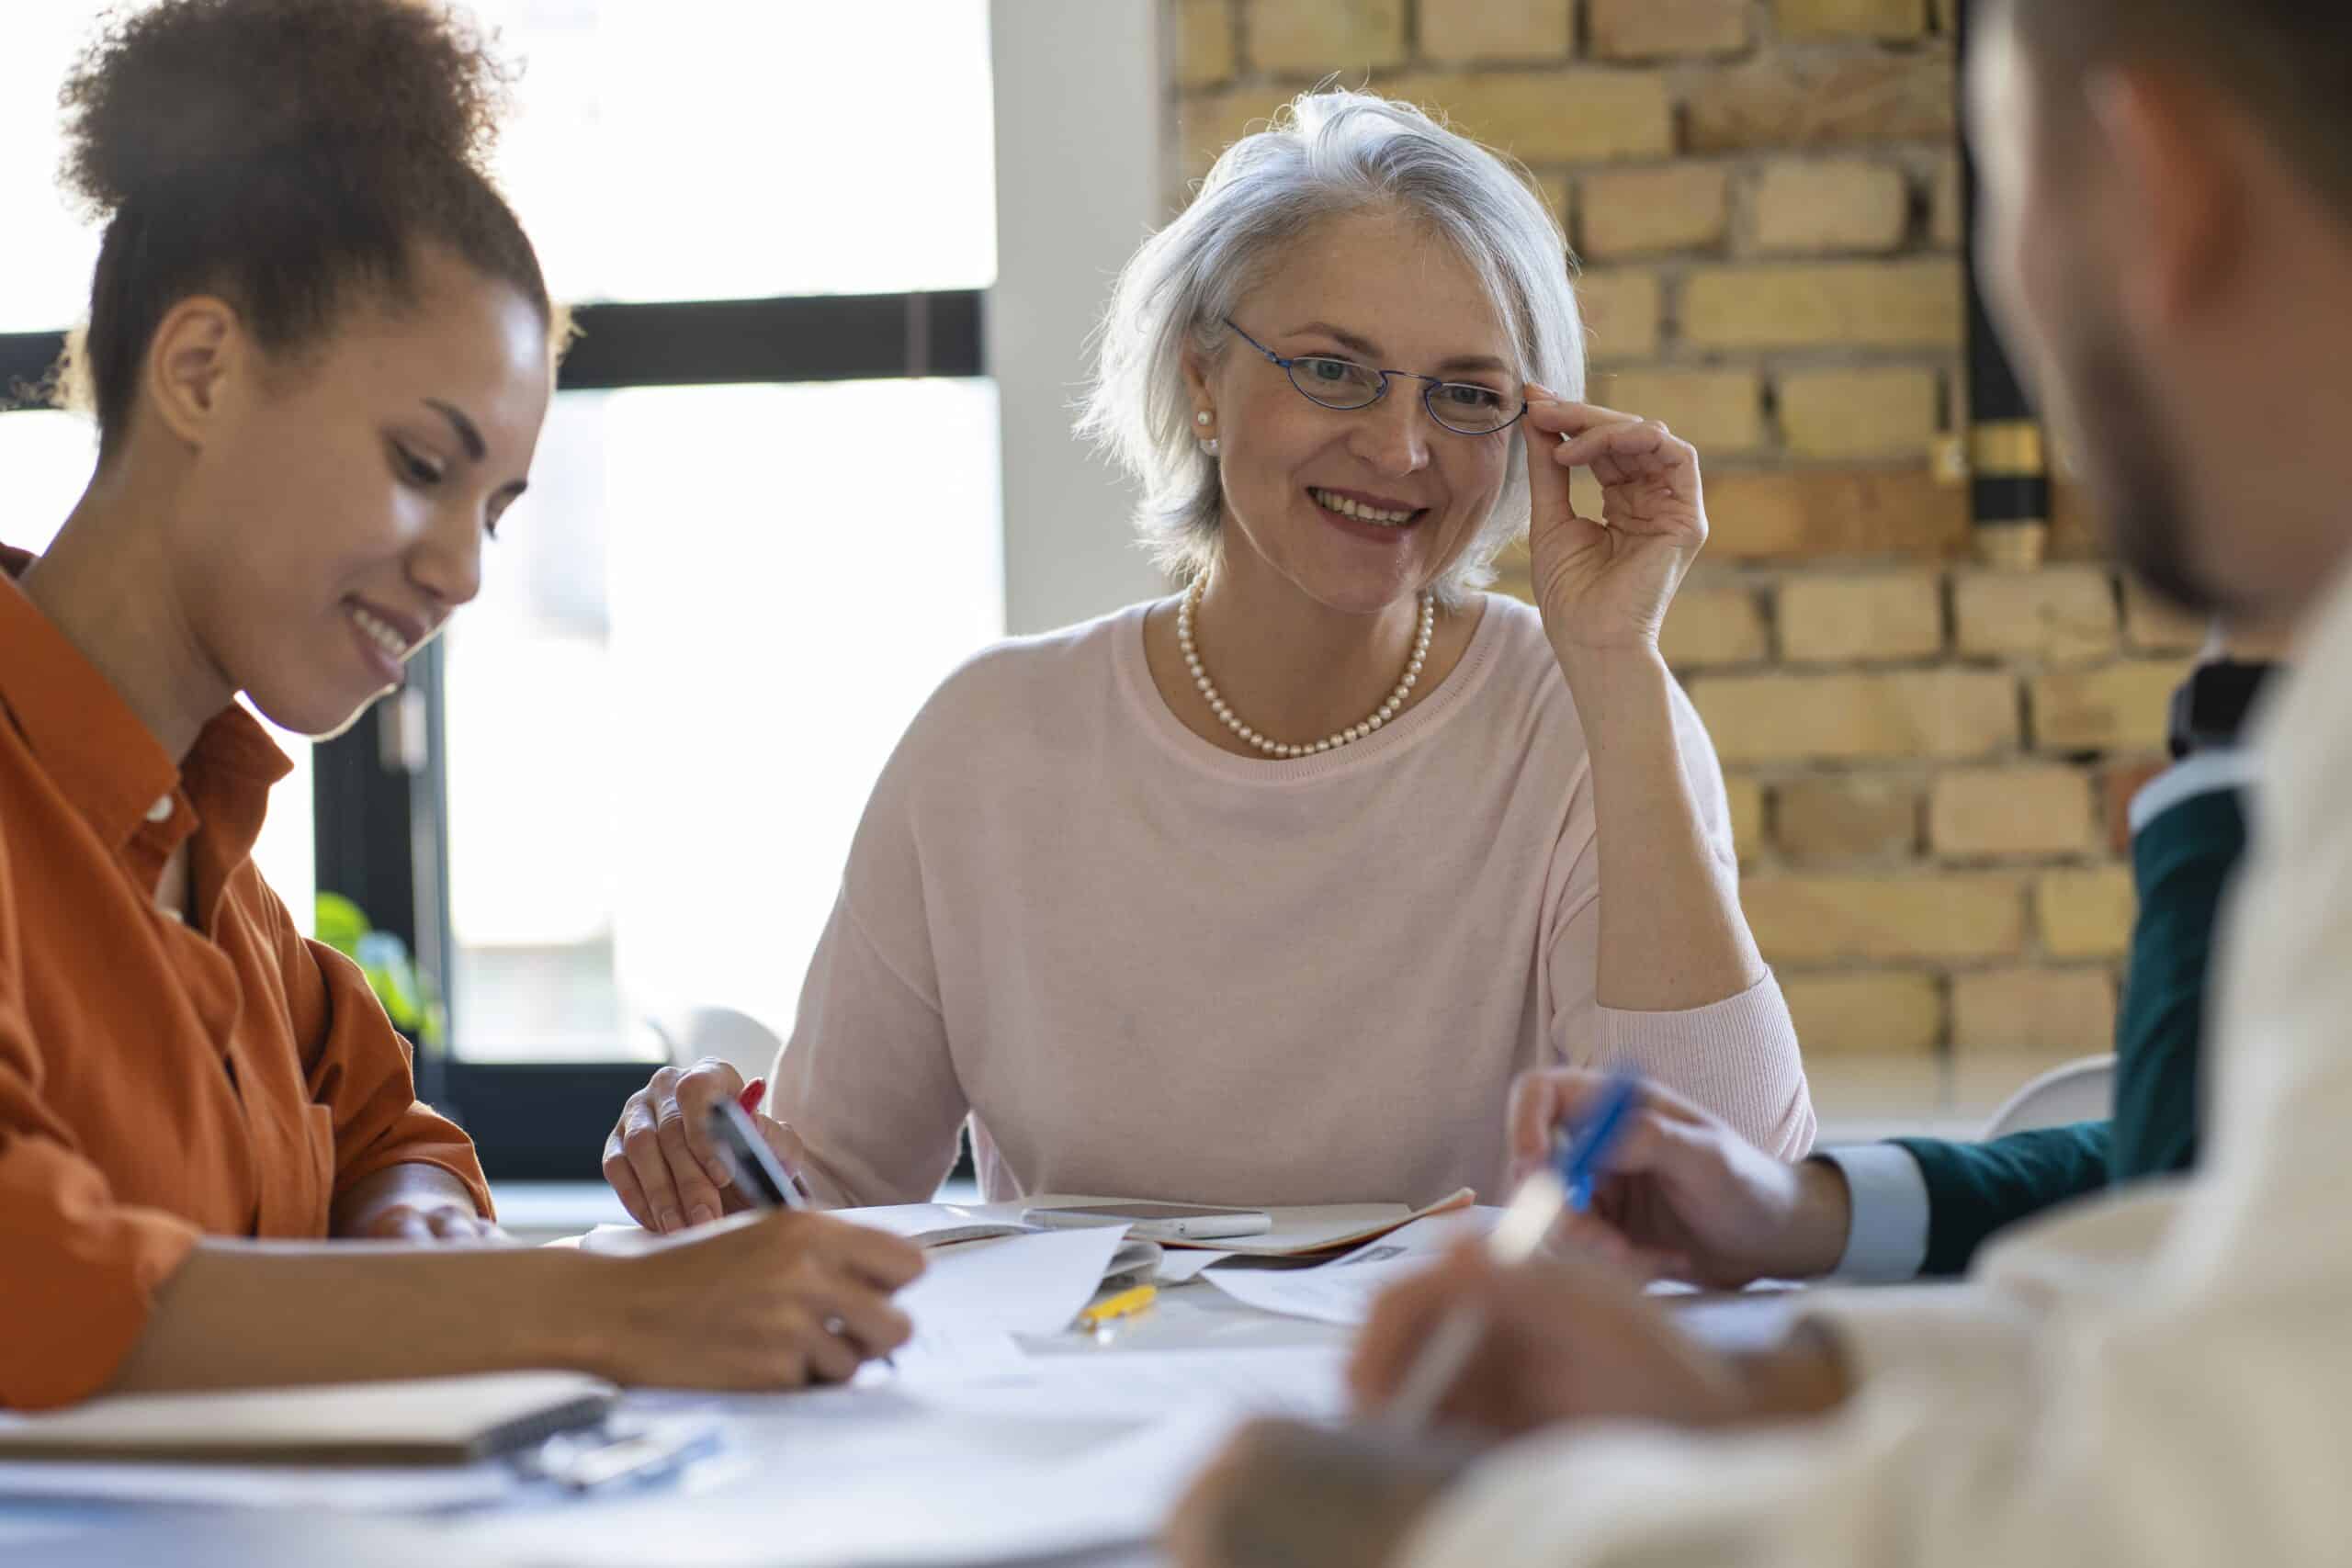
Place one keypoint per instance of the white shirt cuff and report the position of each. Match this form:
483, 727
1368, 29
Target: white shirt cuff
1887, 1241
2203, 773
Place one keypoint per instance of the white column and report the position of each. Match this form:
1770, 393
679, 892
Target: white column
1079, 95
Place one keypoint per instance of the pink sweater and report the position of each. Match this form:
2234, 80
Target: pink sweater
1145, 968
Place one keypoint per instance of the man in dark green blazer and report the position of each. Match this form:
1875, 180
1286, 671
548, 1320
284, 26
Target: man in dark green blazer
1923, 1206
1696, 1200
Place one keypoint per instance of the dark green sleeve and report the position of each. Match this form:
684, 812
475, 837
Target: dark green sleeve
1975, 1189
2181, 862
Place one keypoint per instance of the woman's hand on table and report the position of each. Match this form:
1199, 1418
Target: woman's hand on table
1604, 583
660, 1158
412, 1202
773, 1300
1685, 1197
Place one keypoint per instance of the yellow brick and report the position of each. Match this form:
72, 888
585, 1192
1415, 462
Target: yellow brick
1859, 413
2058, 614
1946, 224
1681, 207
1204, 42
2026, 810
1207, 123
1716, 410
1803, 920
1551, 116
2085, 913
1811, 513
1808, 207
2119, 706
2155, 625
1866, 19
1560, 195
1457, 30
1953, 714
1902, 304
1850, 817
1788, 98
1621, 312
1312, 37
1843, 620
2055, 1013
1868, 1014
1713, 626
1640, 29
1745, 799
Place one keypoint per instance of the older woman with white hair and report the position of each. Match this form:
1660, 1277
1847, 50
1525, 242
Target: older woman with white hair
1263, 893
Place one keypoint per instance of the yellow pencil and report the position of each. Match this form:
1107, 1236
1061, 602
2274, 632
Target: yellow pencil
1124, 1304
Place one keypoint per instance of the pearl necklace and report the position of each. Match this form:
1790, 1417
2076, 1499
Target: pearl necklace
1217, 703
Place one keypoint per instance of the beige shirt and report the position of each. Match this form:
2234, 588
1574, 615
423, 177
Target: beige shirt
1145, 967
2162, 1379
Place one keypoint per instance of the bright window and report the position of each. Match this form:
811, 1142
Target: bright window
706, 628
700, 636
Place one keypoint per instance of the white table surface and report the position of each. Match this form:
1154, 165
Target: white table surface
787, 1460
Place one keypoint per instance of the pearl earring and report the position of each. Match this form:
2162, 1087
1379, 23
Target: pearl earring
1202, 417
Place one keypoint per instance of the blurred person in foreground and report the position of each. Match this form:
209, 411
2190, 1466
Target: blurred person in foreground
2155, 1378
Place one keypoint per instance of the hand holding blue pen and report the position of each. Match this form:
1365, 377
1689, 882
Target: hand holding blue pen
1564, 1185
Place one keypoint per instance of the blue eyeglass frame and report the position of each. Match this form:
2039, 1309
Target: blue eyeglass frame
1427, 392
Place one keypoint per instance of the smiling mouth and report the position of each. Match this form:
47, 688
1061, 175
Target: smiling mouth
380, 632
1347, 506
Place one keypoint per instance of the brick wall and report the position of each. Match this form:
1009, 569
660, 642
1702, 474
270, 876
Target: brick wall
1929, 758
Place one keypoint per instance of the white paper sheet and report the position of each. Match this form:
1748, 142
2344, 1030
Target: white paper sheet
933, 1225
1308, 1383
943, 1353
949, 1489
1019, 1284
1343, 1291
1181, 1266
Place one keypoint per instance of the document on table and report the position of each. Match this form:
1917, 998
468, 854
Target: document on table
1305, 1383
949, 1489
1016, 1284
1343, 1291
1322, 1229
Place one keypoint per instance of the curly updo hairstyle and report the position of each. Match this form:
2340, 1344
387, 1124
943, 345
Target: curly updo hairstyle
282, 155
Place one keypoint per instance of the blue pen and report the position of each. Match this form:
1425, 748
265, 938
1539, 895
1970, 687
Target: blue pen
1588, 1158
1566, 1184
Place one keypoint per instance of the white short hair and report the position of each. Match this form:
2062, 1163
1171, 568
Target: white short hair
1328, 154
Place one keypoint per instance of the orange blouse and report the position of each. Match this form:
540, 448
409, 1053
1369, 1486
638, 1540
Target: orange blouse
159, 1082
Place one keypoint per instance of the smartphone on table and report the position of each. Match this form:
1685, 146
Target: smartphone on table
1155, 1222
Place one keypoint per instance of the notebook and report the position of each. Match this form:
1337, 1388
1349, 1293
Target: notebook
424, 1421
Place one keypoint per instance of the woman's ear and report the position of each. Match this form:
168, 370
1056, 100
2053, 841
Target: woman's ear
199, 346
1196, 380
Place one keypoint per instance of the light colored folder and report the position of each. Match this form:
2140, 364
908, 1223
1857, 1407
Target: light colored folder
423, 1421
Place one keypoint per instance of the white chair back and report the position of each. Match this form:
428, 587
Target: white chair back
736, 1038
2078, 1091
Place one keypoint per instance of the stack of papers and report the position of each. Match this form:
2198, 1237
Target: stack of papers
1343, 1289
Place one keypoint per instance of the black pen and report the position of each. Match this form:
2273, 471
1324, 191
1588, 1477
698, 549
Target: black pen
760, 1176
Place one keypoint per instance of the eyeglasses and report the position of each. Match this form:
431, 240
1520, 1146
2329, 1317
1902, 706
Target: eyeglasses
1464, 407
